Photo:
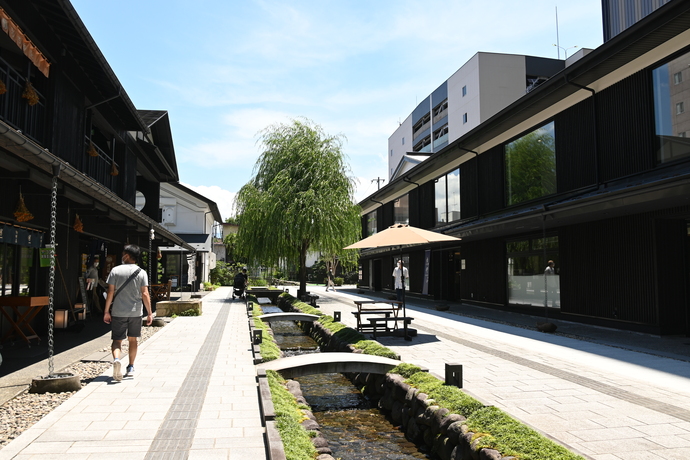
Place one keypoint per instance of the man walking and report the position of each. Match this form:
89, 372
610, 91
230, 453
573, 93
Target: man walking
127, 291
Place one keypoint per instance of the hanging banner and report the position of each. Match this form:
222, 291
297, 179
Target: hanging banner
45, 257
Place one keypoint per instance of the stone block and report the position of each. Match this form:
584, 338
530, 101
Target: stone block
175, 307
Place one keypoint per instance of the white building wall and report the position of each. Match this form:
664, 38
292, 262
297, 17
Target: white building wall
467, 77
502, 81
399, 143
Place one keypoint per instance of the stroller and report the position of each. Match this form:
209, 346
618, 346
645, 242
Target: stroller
238, 286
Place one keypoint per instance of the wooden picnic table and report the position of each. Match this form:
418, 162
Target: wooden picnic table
21, 327
387, 308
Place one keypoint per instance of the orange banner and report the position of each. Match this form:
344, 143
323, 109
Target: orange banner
23, 42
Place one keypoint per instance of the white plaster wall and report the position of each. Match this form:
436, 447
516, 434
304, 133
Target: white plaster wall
395, 144
467, 75
502, 80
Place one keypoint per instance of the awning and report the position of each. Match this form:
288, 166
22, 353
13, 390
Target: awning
201, 242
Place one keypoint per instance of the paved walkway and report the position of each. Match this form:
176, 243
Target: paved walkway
611, 396
194, 396
620, 400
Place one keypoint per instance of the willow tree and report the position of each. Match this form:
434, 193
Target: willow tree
300, 198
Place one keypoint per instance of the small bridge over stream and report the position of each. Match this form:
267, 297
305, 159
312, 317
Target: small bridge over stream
304, 317
325, 363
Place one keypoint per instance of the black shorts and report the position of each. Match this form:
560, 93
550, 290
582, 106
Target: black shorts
125, 326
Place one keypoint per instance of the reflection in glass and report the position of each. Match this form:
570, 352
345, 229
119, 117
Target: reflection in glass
672, 121
454, 195
371, 223
531, 165
401, 209
440, 193
529, 281
447, 197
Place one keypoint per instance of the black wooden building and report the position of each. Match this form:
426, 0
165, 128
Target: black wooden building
591, 170
63, 110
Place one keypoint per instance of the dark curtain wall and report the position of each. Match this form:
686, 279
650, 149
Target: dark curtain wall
575, 147
491, 182
484, 277
68, 122
468, 189
672, 272
608, 269
626, 127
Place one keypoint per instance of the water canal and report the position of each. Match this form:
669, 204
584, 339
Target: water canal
353, 426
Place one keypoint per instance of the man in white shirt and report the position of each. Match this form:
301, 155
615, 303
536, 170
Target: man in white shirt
126, 313
400, 274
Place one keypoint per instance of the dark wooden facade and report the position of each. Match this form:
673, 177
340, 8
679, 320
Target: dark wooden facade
620, 216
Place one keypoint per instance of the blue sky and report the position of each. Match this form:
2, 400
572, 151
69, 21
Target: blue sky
226, 69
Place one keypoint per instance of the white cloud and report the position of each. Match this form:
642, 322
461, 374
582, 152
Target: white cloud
223, 198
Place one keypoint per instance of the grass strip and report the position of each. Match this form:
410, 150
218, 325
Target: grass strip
296, 440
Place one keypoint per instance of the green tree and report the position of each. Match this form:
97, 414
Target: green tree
299, 199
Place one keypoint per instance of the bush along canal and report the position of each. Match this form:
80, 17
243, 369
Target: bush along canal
406, 408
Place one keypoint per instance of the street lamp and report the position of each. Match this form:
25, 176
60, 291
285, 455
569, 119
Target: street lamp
565, 50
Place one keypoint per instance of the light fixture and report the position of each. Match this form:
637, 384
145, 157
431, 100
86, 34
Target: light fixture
61, 319
152, 234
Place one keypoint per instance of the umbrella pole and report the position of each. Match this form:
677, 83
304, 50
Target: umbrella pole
402, 277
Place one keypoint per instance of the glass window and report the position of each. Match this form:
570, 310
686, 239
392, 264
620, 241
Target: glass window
464, 118
440, 193
464, 91
401, 209
532, 280
447, 197
530, 163
371, 223
670, 94
454, 195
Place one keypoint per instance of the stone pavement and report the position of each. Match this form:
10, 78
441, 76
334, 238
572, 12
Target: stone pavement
612, 396
609, 395
194, 396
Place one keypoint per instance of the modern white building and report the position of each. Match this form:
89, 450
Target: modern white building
483, 86
195, 219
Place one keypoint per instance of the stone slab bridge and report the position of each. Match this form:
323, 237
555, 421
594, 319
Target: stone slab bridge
324, 363
304, 317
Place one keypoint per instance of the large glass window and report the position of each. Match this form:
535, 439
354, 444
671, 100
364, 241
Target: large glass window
531, 165
371, 223
532, 279
671, 91
401, 209
447, 197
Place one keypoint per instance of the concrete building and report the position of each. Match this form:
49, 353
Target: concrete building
484, 85
196, 220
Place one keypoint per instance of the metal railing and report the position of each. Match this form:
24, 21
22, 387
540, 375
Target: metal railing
15, 110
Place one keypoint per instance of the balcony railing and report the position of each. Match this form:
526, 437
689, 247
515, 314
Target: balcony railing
99, 166
15, 110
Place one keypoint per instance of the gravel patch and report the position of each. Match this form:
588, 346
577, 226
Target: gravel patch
21, 412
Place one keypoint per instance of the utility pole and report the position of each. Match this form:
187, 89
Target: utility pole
378, 181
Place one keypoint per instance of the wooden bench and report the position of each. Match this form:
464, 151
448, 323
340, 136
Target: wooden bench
161, 292
375, 322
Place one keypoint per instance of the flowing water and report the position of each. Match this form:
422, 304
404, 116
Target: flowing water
354, 428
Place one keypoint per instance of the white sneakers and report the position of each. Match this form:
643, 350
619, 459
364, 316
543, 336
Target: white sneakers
117, 370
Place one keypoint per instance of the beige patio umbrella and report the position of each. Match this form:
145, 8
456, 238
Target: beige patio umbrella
401, 235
